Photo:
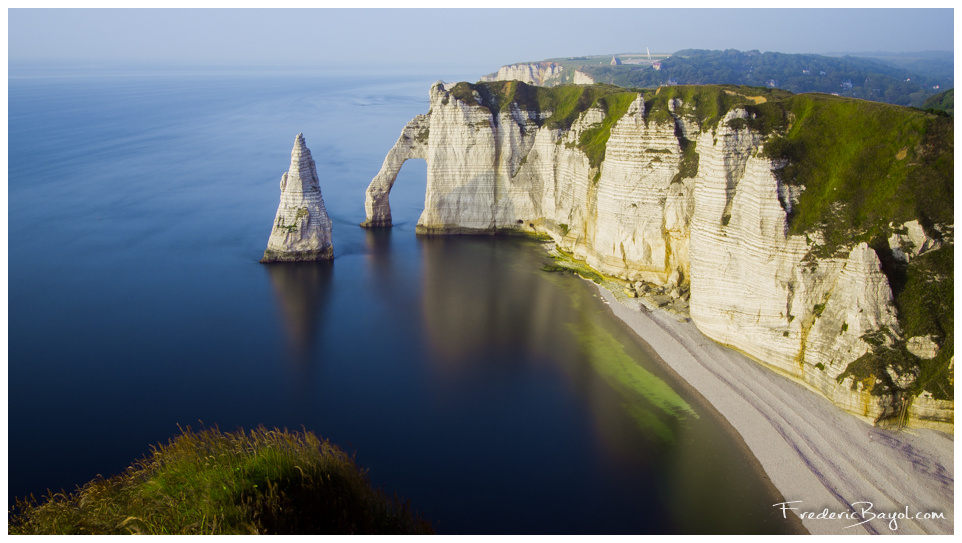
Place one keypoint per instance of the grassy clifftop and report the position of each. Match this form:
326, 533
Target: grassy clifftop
208, 482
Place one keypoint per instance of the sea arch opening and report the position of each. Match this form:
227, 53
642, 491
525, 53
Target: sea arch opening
407, 195
411, 144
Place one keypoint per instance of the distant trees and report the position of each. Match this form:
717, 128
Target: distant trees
907, 82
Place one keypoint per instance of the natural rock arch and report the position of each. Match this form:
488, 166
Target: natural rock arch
413, 143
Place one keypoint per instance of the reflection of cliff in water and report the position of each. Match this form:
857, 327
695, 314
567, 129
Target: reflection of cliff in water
377, 242
490, 311
487, 304
475, 299
302, 292
488, 308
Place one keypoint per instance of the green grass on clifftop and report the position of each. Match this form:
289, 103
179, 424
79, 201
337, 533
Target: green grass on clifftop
709, 103
864, 165
208, 482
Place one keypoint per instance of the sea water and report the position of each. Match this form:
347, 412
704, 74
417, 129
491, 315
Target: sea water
497, 397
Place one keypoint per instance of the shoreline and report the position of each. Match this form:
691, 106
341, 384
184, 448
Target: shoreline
808, 448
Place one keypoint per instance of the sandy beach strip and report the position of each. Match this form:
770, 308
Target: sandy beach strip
816, 455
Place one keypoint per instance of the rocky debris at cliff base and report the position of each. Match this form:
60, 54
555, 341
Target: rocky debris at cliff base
668, 297
302, 228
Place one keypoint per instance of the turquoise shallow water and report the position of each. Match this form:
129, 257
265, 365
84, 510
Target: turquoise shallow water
497, 397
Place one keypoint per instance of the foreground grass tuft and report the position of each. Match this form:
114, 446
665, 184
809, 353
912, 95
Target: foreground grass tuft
209, 482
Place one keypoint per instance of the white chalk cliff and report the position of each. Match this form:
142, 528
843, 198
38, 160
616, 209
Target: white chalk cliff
542, 74
302, 228
722, 231
581, 78
538, 73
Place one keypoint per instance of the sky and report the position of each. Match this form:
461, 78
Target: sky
468, 37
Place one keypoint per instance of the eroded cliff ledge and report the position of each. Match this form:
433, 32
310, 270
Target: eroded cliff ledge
815, 233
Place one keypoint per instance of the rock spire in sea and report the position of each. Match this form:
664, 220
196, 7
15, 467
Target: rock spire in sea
302, 229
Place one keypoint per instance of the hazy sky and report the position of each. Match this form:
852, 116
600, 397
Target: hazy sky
467, 37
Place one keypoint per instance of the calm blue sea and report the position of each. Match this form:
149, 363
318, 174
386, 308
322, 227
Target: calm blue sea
496, 397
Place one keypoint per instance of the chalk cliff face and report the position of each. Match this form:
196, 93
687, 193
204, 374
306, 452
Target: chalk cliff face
581, 78
539, 73
542, 74
670, 203
302, 229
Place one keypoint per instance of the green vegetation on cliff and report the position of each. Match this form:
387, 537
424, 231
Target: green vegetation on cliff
864, 165
709, 103
208, 482
594, 140
944, 101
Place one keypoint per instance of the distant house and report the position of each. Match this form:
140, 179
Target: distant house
771, 83
805, 72
672, 81
656, 64
615, 61
847, 84
820, 72
935, 87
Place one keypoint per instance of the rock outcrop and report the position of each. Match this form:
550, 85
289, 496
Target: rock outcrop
302, 229
674, 201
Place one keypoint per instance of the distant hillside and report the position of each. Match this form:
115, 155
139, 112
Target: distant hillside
906, 79
944, 101
933, 64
